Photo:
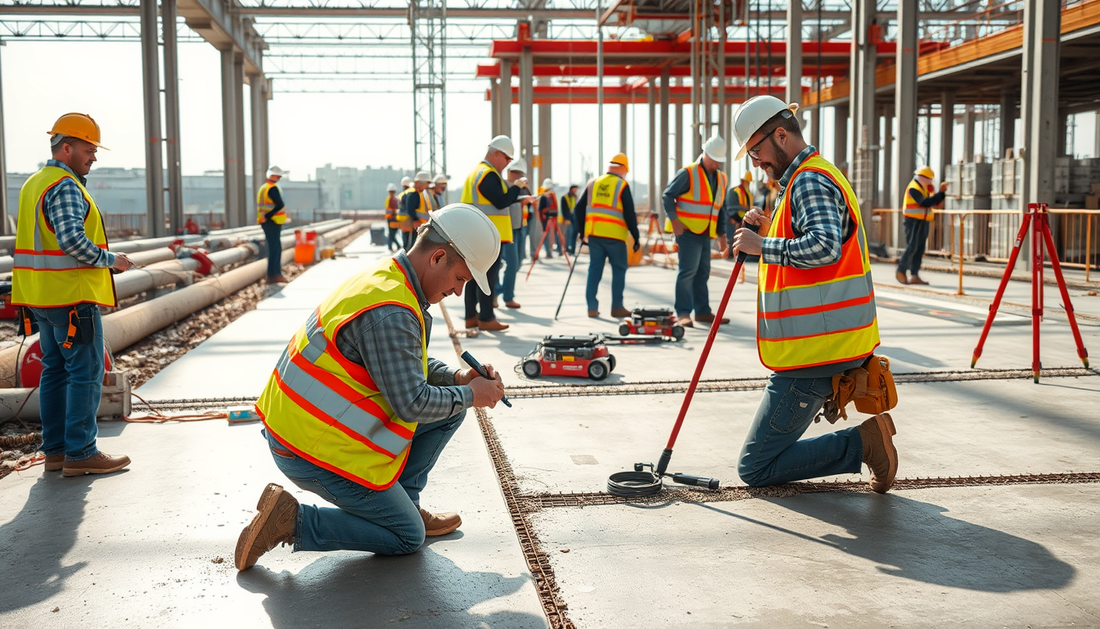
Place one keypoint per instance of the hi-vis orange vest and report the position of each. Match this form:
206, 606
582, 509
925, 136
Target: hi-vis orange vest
471, 194
698, 207
823, 315
403, 222
552, 209
744, 199
44, 276
327, 409
391, 210
264, 204
912, 209
604, 217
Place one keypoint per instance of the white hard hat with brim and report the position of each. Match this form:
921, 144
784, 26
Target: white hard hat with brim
473, 235
752, 115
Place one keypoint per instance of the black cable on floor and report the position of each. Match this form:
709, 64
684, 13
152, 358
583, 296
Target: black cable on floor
634, 484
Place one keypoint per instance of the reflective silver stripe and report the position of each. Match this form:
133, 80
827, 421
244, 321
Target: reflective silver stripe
829, 321
339, 408
492, 210
41, 262
697, 208
817, 295
317, 343
617, 215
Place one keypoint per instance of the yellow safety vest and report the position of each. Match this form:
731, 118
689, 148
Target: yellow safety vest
327, 409
744, 199
698, 207
605, 208
44, 276
822, 315
391, 212
402, 216
264, 204
471, 194
571, 203
912, 209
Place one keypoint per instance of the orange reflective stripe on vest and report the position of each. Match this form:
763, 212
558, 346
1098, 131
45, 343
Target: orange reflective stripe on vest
697, 208
264, 204
912, 209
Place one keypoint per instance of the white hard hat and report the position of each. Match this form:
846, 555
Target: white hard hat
503, 144
440, 179
715, 148
406, 181
546, 183
391, 188
473, 236
518, 165
752, 114
423, 177
276, 171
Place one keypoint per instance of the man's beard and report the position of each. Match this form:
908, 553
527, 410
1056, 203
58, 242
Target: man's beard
781, 163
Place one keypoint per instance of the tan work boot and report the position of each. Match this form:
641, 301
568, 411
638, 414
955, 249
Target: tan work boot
471, 323
492, 326
436, 524
619, 313
901, 278
709, 318
917, 280
686, 322
275, 524
592, 314
55, 462
512, 304
879, 452
101, 463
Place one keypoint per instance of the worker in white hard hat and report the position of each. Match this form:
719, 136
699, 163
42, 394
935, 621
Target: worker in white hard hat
565, 218
415, 206
694, 202
510, 252
606, 210
62, 275
816, 305
392, 205
439, 191
738, 203
357, 413
486, 190
548, 213
271, 215
919, 207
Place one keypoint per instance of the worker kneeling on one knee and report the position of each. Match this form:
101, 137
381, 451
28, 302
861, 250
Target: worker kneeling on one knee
816, 305
357, 412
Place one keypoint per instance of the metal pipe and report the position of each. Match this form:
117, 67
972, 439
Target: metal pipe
114, 402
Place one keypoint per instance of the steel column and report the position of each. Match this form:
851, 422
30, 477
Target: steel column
544, 142
863, 172
840, 137
622, 125
651, 99
244, 195
889, 159
267, 126
905, 103
947, 135
1008, 120
172, 116
526, 106
968, 134
679, 134
794, 51
5, 228
505, 111
815, 126
494, 106
233, 213
259, 129
154, 160
1039, 104
664, 136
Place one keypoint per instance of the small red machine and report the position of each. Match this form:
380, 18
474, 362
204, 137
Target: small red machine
577, 356
652, 321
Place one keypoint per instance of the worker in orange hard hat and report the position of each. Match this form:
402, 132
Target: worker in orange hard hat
918, 210
62, 275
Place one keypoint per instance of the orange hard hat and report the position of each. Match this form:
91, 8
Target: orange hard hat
621, 160
79, 126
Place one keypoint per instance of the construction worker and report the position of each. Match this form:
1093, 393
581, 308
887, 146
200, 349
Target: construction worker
357, 412
439, 191
816, 305
918, 213
391, 217
694, 202
62, 275
738, 203
485, 189
607, 226
415, 206
509, 251
404, 223
565, 217
548, 213
271, 215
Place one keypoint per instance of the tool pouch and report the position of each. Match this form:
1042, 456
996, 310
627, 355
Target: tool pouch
81, 330
870, 386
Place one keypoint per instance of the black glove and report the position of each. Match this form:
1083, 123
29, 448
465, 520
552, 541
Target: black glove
637, 245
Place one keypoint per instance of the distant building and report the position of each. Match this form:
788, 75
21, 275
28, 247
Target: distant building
348, 188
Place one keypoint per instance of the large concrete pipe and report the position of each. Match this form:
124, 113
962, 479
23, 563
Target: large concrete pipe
114, 401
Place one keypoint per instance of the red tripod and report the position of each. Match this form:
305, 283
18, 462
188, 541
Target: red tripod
1038, 219
551, 227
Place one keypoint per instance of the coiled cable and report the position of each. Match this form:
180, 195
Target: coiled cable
634, 484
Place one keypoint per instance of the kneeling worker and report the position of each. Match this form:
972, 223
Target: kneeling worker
816, 305
357, 409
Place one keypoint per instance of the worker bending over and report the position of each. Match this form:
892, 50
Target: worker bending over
271, 215
606, 209
357, 412
816, 305
695, 204
62, 274
918, 214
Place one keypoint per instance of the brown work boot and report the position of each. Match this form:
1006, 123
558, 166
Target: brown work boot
879, 452
901, 277
512, 304
278, 279
471, 323
275, 524
709, 318
917, 280
436, 524
101, 463
55, 462
592, 314
492, 326
619, 313
685, 322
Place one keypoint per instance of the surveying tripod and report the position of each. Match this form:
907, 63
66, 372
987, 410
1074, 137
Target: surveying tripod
1037, 218
551, 226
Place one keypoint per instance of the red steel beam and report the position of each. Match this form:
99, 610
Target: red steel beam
625, 94
492, 71
657, 48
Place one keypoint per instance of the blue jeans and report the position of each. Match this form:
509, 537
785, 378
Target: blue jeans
691, 279
274, 248
916, 237
553, 237
391, 238
614, 251
519, 236
510, 255
773, 454
382, 522
72, 381
571, 238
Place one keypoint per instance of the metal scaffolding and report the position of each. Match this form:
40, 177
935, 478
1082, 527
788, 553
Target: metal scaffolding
428, 23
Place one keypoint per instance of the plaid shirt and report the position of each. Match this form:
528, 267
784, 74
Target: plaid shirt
65, 209
386, 340
819, 218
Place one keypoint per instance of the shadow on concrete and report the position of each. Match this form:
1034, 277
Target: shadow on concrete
915, 540
36, 541
911, 357
424, 589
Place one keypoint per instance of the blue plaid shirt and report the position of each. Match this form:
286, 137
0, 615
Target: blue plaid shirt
65, 209
819, 219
